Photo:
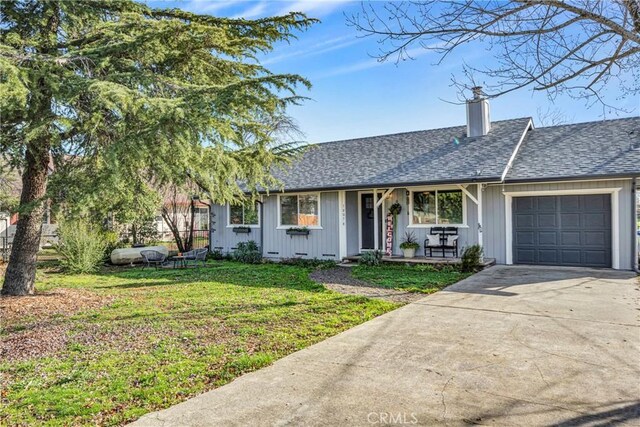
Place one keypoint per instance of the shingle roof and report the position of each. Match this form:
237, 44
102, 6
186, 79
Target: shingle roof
582, 150
428, 156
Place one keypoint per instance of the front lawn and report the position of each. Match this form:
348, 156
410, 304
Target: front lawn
149, 339
412, 278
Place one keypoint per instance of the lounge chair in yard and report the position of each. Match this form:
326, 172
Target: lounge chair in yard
196, 255
153, 258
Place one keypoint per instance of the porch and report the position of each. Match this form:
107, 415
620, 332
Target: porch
366, 222
421, 260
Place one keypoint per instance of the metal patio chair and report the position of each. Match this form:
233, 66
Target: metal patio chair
196, 255
153, 258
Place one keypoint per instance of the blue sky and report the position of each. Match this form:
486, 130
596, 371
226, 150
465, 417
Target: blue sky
354, 95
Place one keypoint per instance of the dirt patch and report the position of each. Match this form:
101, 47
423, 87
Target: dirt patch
35, 324
339, 279
58, 302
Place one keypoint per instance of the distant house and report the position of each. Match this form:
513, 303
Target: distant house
561, 195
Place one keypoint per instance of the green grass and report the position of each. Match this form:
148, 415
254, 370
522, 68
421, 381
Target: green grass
412, 278
167, 336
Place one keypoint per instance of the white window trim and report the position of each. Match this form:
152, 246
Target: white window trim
310, 227
229, 225
421, 189
615, 216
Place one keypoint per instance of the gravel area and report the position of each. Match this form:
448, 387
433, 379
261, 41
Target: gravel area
339, 279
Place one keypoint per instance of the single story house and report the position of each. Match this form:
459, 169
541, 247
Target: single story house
560, 195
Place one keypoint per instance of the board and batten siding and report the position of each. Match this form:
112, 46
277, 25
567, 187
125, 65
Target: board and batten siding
222, 237
320, 243
494, 215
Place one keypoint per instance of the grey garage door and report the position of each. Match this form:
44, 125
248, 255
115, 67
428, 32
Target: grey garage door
562, 230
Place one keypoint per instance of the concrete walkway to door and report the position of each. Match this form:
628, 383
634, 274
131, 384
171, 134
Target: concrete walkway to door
510, 346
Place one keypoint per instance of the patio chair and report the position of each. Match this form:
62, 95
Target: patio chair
155, 258
195, 256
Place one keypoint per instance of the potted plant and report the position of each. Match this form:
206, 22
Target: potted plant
409, 245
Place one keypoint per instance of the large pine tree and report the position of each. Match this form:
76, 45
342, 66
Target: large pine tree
126, 88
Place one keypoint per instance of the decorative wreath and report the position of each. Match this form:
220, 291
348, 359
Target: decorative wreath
395, 208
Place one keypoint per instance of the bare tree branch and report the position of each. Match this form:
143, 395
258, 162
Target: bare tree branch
577, 47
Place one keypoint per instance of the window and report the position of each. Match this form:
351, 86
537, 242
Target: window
437, 207
244, 215
302, 210
201, 219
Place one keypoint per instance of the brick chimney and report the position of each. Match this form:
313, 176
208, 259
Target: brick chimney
478, 119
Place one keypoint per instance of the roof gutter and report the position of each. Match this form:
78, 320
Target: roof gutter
483, 180
628, 175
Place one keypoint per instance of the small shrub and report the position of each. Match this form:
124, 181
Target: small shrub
112, 242
371, 258
216, 254
81, 245
409, 241
471, 259
320, 264
248, 252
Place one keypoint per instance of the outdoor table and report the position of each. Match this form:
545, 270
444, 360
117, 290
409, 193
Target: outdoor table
179, 261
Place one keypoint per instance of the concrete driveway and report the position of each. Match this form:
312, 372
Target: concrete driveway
509, 346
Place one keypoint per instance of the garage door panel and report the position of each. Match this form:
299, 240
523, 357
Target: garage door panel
570, 230
571, 256
597, 258
525, 238
570, 220
525, 221
571, 238
570, 204
595, 238
596, 220
547, 256
547, 220
546, 204
596, 202
525, 256
547, 238
524, 204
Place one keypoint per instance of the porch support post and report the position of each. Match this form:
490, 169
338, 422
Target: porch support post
384, 196
376, 220
469, 195
479, 194
342, 224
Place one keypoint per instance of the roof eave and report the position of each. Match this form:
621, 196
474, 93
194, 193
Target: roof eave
627, 175
478, 180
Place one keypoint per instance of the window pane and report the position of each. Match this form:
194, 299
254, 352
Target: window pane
450, 207
289, 210
308, 210
424, 207
201, 220
235, 215
251, 214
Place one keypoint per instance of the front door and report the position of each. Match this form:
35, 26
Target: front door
366, 221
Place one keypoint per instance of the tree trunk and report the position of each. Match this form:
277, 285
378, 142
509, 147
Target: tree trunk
21, 272
20, 276
173, 227
189, 244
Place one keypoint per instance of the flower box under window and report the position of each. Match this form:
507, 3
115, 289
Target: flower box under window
241, 230
297, 232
